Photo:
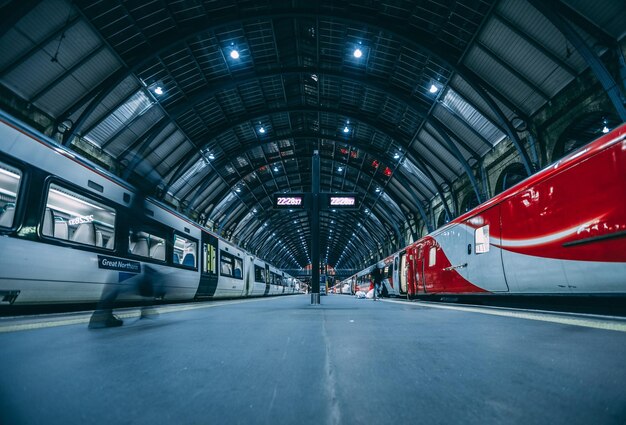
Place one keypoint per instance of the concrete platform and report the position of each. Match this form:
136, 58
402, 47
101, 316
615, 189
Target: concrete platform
346, 361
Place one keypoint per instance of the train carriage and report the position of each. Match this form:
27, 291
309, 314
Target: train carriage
561, 231
68, 229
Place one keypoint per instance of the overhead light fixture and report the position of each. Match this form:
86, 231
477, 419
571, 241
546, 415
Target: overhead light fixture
275, 169
433, 88
340, 169
358, 53
211, 156
262, 130
396, 155
158, 90
234, 54
605, 128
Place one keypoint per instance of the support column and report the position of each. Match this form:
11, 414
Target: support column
315, 228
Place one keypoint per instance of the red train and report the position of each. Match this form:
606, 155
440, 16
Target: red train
561, 231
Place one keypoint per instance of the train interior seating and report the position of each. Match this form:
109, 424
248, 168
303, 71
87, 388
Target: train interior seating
61, 230
6, 216
157, 251
48, 223
141, 247
99, 239
85, 233
189, 260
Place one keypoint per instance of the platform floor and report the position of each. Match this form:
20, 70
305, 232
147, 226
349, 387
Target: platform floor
284, 361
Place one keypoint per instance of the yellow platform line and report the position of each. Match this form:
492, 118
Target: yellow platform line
573, 319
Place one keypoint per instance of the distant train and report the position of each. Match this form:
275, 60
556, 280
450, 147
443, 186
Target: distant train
561, 231
65, 234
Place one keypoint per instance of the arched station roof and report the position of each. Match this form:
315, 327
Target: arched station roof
156, 87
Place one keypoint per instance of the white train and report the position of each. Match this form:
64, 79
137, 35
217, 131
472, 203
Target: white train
65, 234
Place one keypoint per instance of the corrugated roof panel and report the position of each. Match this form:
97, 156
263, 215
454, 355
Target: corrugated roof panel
46, 65
165, 166
118, 94
69, 90
608, 15
13, 45
133, 131
136, 105
462, 134
198, 167
431, 141
518, 92
414, 172
471, 116
167, 139
541, 29
525, 58
461, 86
46, 18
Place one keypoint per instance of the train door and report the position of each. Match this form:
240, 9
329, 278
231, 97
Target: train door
208, 275
420, 269
402, 272
267, 280
484, 257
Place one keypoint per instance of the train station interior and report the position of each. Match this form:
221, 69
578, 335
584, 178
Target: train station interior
343, 148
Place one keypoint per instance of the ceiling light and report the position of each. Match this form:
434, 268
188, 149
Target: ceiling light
211, 156
346, 129
275, 169
433, 88
396, 155
158, 90
262, 130
234, 54
340, 169
605, 129
358, 53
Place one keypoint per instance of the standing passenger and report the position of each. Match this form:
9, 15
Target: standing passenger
377, 274
149, 285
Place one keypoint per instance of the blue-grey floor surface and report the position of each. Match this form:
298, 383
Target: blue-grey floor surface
284, 361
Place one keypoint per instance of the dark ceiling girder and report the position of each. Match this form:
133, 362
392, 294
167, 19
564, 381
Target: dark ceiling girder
296, 136
552, 11
431, 48
236, 218
437, 126
282, 227
183, 163
425, 44
387, 218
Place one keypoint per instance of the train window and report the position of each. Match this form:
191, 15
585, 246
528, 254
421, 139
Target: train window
481, 240
184, 251
210, 260
259, 274
77, 218
238, 270
10, 179
227, 264
432, 256
146, 244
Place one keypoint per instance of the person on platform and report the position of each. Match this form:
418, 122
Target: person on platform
148, 285
377, 276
